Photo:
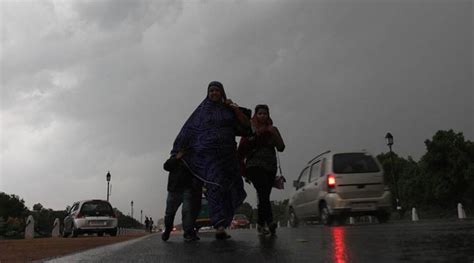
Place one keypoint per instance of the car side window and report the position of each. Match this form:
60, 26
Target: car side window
303, 180
323, 167
74, 207
315, 171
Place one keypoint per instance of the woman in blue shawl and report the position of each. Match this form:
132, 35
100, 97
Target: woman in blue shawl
208, 141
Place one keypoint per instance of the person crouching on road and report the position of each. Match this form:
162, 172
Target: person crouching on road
183, 188
259, 154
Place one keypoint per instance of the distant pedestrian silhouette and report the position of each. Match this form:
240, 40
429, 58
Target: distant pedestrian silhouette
147, 223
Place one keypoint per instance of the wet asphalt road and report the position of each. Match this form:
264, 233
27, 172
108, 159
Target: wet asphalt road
433, 241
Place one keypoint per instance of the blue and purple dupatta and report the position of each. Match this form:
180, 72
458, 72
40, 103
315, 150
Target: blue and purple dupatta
208, 138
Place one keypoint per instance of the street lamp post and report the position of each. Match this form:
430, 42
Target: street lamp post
131, 209
108, 182
389, 138
141, 216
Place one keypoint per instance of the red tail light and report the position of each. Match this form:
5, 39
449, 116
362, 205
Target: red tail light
79, 215
331, 180
114, 215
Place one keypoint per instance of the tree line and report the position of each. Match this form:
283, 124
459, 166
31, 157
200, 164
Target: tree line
442, 178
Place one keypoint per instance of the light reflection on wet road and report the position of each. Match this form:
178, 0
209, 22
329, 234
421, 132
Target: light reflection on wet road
432, 241
339, 244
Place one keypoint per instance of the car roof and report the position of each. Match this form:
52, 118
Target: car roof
331, 153
90, 200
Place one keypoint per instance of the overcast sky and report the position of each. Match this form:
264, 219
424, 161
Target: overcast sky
94, 86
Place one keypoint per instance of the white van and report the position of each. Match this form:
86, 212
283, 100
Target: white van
336, 185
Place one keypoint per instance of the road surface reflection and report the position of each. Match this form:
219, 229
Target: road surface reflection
340, 253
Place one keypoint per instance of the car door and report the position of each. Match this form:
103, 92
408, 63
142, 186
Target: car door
312, 190
68, 220
298, 197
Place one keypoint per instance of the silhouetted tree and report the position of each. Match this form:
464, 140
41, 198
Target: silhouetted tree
37, 207
12, 206
448, 170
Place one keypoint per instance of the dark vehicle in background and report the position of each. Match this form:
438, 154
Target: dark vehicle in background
336, 185
240, 221
203, 219
90, 216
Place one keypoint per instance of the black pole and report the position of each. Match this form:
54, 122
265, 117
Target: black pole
107, 177
395, 182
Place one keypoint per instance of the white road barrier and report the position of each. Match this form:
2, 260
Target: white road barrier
56, 224
30, 228
414, 215
461, 212
351, 220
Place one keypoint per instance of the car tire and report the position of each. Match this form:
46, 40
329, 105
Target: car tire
383, 217
65, 234
75, 232
293, 219
326, 218
101, 234
114, 232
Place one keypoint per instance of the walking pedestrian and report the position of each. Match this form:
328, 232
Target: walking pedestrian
183, 188
151, 225
259, 155
147, 223
208, 139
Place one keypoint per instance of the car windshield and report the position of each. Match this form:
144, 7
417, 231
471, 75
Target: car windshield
347, 163
97, 208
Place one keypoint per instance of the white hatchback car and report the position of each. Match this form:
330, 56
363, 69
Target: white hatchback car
90, 216
336, 185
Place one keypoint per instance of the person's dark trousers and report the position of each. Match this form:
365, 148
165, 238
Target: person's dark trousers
190, 199
263, 181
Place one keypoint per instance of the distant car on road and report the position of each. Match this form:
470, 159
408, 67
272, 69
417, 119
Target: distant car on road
90, 216
240, 221
335, 185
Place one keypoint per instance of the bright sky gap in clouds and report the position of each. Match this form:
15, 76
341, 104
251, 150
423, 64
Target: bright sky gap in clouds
94, 86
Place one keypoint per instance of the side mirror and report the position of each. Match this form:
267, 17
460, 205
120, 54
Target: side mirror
295, 183
298, 184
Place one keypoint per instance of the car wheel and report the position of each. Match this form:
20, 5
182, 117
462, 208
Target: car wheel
65, 234
293, 219
114, 232
326, 218
383, 217
75, 232
101, 234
